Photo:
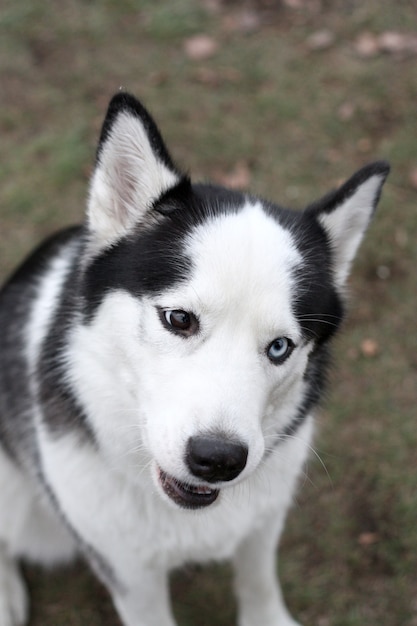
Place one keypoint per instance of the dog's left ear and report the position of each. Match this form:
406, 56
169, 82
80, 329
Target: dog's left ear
345, 214
133, 170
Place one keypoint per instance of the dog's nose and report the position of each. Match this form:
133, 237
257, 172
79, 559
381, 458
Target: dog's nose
215, 459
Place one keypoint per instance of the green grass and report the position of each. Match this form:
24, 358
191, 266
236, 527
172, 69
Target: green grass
268, 100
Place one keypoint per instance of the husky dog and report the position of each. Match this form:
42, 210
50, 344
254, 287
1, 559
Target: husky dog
159, 371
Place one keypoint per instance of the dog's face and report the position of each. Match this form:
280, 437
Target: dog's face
216, 348
207, 312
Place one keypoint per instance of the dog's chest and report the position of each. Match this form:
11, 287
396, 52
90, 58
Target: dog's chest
180, 536
131, 522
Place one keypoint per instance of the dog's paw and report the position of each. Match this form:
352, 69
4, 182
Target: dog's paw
13, 597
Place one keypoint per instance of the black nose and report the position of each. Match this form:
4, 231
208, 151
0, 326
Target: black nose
215, 459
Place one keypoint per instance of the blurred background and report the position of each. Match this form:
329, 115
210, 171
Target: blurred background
287, 98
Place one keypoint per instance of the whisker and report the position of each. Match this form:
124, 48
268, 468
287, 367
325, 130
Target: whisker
280, 437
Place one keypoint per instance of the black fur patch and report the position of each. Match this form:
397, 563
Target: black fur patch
316, 379
153, 258
327, 203
16, 298
61, 410
318, 306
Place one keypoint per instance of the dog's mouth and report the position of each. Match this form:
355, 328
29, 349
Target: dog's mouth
186, 495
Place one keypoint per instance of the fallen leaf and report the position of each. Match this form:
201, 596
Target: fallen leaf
214, 78
249, 22
212, 6
207, 76
346, 111
367, 45
244, 21
369, 348
321, 40
364, 144
230, 75
332, 155
368, 539
159, 78
238, 178
389, 42
396, 43
200, 47
392, 42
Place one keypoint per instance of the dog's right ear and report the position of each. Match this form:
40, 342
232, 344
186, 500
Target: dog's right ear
133, 170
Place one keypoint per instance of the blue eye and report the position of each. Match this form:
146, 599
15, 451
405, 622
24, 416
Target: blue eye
279, 350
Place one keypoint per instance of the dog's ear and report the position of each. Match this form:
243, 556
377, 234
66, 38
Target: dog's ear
133, 170
345, 214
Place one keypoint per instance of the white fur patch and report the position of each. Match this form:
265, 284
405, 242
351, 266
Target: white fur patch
44, 306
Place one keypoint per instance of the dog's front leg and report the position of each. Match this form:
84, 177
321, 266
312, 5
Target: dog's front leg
106, 514
260, 601
147, 603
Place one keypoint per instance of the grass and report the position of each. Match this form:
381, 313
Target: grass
267, 99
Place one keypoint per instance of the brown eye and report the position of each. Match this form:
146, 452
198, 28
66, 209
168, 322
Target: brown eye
180, 322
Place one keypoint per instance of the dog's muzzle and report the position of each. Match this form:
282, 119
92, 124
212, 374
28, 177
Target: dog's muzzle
211, 459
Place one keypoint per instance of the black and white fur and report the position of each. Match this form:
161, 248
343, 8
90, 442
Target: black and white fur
159, 370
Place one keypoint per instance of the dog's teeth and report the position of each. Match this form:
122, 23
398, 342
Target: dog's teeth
203, 490
200, 489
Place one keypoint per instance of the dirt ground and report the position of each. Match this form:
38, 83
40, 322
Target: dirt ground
286, 98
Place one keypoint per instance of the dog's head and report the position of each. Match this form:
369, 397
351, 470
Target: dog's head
207, 312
